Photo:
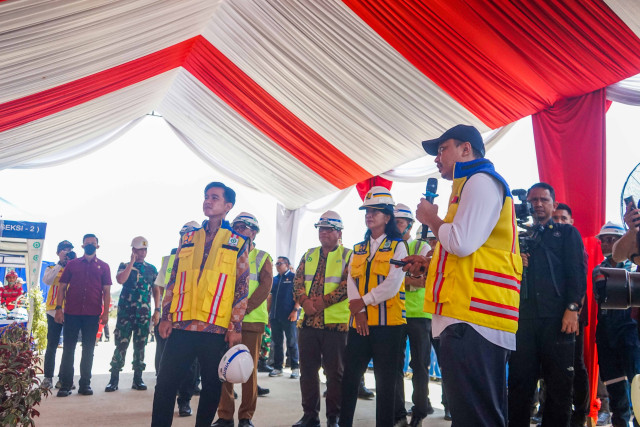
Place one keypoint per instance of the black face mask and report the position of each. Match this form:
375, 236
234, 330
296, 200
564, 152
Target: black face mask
89, 249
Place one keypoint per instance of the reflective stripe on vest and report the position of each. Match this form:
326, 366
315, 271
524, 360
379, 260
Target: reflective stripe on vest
482, 288
257, 258
369, 274
208, 295
52, 295
335, 264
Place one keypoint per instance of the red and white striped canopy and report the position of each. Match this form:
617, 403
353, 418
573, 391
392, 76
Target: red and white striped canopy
297, 98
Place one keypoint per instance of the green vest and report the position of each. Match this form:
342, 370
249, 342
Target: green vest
414, 299
167, 272
257, 258
336, 262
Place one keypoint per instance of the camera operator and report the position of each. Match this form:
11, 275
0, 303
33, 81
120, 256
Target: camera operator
473, 282
628, 247
616, 338
549, 305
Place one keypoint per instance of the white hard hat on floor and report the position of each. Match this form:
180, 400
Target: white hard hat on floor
612, 229
403, 211
248, 219
236, 365
378, 198
330, 219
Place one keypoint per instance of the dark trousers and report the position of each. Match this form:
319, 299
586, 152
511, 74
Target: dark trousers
160, 343
321, 348
190, 382
181, 350
474, 375
384, 345
280, 329
581, 395
618, 366
72, 327
53, 338
418, 332
541, 347
435, 342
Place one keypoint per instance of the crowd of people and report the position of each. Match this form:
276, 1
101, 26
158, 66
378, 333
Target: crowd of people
481, 294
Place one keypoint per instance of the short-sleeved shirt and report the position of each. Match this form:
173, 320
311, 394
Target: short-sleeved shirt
86, 281
137, 288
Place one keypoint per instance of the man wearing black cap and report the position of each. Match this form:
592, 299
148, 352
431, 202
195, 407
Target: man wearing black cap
51, 278
473, 282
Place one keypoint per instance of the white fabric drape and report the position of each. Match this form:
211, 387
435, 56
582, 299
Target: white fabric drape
287, 225
626, 91
75, 131
423, 168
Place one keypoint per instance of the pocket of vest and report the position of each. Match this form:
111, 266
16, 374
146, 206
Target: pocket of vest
221, 283
497, 280
182, 292
358, 267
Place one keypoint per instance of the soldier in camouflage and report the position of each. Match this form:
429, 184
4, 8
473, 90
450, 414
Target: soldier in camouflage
134, 313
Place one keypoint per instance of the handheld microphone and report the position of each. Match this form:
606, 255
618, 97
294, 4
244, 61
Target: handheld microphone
430, 195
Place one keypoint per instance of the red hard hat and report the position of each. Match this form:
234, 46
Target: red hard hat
11, 274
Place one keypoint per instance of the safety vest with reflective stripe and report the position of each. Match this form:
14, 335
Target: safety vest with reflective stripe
52, 295
369, 274
257, 258
336, 263
482, 288
209, 298
414, 297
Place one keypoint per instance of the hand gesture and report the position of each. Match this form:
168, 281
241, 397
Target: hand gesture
309, 307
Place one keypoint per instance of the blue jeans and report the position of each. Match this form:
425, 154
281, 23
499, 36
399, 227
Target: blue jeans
280, 328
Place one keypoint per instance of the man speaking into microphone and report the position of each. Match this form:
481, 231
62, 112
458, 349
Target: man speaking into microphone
473, 280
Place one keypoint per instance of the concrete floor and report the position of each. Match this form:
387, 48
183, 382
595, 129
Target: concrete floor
127, 407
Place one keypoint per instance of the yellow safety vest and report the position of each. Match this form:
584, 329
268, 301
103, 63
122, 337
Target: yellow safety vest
210, 298
368, 274
414, 299
52, 295
336, 262
482, 288
257, 258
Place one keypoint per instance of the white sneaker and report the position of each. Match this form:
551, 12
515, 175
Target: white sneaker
47, 383
275, 373
295, 374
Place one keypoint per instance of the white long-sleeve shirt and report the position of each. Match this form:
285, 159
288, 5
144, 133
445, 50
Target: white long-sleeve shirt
48, 277
477, 215
391, 284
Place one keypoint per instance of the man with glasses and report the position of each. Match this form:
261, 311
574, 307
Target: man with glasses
255, 318
283, 314
320, 287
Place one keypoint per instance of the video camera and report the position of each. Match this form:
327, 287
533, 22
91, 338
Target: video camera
523, 212
71, 255
616, 288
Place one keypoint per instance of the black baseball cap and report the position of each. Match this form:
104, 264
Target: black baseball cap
65, 244
462, 133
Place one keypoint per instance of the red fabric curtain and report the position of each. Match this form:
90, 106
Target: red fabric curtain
364, 186
570, 146
501, 59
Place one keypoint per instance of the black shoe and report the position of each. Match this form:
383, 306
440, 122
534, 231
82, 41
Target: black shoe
63, 392
365, 393
447, 414
196, 391
401, 422
332, 421
263, 367
184, 410
263, 391
430, 409
308, 421
85, 391
235, 395
59, 385
138, 384
223, 423
245, 423
113, 382
416, 421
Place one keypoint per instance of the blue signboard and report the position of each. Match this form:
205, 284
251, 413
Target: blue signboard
23, 229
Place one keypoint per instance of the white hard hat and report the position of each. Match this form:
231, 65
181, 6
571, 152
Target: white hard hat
635, 395
139, 243
330, 219
248, 219
403, 211
3, 313
379, 198
18, 313
612, 229
236, 365
190, 226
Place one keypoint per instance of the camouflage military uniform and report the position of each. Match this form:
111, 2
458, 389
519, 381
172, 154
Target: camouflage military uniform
134, 315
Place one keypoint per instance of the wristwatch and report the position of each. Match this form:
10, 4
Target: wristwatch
157, 310
58, 307
573, 307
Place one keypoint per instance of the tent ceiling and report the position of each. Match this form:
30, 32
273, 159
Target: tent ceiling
307, 97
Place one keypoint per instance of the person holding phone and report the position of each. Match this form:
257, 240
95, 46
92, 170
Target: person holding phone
137, 278
628, 247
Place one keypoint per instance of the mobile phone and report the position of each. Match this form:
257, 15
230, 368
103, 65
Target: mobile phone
630, 203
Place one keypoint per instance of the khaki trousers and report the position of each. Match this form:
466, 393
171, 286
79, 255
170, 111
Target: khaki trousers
226, 407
